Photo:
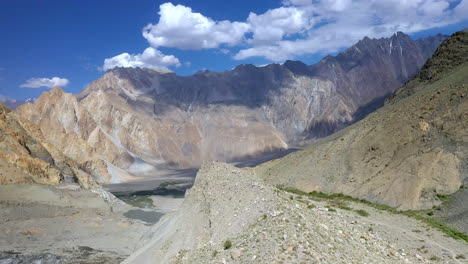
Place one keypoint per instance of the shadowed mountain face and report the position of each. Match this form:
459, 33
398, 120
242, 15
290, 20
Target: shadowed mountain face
407, 154
136, 121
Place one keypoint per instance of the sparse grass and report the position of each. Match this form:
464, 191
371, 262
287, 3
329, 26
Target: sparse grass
421, 215
362, 212
460, 256
340, 204
442, 197
331, 209
227, 244
310, 206
215, 253
417, 231
434, 258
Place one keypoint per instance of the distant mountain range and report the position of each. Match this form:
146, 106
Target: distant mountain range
135, 122
14, 103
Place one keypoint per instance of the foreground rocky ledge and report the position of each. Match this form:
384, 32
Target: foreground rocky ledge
231, 216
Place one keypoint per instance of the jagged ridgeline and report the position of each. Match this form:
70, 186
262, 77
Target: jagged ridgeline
407, 154
134, 122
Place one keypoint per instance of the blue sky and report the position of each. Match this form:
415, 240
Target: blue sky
71, 39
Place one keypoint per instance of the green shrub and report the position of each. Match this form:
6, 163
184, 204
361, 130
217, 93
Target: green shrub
362, 212
227, 244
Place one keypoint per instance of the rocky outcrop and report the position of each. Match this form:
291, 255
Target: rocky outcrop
27, 158
406, 154
135, 122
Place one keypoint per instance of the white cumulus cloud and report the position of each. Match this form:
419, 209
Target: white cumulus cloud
45, 82
150, 58
277, 23
338, 24
180, 27
296, 28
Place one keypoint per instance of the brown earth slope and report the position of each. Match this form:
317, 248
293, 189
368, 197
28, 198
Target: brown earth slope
407, 154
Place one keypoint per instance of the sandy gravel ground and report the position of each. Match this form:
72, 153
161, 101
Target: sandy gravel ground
63, 225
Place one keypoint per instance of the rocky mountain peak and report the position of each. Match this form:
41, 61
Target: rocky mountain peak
297, 67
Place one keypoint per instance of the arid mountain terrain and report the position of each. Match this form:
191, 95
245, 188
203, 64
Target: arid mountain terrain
27, 158
404, 155
136, 122
410, 154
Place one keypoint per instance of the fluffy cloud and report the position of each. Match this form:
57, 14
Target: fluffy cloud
181, 28
298, 27
45, 82
150, 58
341, 23
277, 23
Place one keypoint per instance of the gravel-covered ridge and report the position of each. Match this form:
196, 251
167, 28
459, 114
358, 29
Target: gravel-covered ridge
266, 225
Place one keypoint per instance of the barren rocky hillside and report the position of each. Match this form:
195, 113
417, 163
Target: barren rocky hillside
407, 154
137, 122
232, 216
27, 158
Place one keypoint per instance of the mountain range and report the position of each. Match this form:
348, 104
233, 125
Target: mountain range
135, 122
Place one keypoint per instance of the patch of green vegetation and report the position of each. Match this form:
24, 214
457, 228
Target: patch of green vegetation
227, 244
139, 201
421, 215
331, 209
215, 253
340, 204
417, 231
442, 197
460, 256
434, 258
310, 206
362, 212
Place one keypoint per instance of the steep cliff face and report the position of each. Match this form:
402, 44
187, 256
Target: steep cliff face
27, 158
137, 121
405, 154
